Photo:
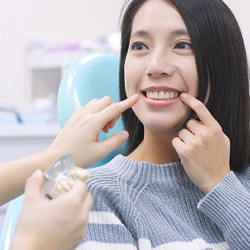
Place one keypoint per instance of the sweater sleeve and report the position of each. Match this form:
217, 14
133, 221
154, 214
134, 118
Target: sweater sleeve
228, 205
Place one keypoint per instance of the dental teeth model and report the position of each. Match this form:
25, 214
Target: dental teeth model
60, 177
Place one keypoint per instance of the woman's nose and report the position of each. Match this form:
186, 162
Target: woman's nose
160, 65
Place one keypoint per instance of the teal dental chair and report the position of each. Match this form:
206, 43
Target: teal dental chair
93, 76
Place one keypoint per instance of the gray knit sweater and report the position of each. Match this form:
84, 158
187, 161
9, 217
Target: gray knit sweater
139, 205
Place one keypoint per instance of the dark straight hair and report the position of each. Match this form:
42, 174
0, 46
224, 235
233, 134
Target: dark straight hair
221, 61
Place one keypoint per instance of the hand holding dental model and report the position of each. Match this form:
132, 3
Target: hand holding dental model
52, 224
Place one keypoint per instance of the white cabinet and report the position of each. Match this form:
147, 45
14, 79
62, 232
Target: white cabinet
45, 71
18, 141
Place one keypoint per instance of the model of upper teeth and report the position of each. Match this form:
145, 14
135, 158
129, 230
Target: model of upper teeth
65, 180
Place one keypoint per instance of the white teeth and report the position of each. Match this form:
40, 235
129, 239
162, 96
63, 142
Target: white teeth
161, 95
155, 95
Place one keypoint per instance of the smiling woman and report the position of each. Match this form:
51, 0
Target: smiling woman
185, 181
160, 61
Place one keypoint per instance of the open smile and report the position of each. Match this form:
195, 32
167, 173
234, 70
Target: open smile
161, 95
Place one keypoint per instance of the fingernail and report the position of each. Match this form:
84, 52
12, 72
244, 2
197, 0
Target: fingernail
135, 95
37, 173
124, 135
183, 95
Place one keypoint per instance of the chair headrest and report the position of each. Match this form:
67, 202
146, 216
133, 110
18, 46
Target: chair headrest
93, 76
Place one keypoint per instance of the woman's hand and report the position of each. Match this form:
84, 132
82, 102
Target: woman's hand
52, 224
80, 134
203, 148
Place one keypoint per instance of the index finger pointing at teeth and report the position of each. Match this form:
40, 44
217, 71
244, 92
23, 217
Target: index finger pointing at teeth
114, 110
199, 108
128, 103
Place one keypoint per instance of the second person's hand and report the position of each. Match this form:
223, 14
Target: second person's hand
57, 224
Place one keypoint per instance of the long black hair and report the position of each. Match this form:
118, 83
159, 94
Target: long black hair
221, 61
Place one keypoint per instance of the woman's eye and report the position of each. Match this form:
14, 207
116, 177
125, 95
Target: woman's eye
139, 46
183, 45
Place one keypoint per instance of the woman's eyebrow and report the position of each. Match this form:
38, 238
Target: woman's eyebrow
173, 34
140, 33
179, 32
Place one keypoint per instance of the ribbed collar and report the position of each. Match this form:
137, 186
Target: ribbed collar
124, 166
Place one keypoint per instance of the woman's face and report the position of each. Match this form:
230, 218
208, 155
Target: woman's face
159, 66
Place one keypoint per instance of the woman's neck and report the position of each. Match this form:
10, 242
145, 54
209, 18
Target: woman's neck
155, 148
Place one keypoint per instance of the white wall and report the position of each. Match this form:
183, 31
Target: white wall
22, 21
241, 9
